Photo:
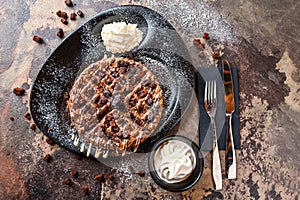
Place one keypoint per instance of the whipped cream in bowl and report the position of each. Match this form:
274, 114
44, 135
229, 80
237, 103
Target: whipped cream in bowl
175, 163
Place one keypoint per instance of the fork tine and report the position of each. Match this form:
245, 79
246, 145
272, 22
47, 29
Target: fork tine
215, 89
205, 92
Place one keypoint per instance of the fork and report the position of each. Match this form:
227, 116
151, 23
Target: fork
210, 103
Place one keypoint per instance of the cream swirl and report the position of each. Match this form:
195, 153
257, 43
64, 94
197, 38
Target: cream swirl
174, 161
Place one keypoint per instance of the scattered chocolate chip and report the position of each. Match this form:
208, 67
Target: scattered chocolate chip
206, 36
85, 190
64, 21
131, 169
50, 142
12, 119
74, 173
47, 158
141, 173
27, 116
73, 16
19, 91
197, 41
110, 177
58, 13
100, 177
60, 34
64, 15
216, 55
69, 3
68, 181
80, 13
37, 39
33, 127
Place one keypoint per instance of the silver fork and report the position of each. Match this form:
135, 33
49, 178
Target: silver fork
210, 102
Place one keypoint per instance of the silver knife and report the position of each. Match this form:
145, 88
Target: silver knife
229, 100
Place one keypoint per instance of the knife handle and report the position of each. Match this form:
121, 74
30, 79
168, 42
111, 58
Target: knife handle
230, 151
217, 173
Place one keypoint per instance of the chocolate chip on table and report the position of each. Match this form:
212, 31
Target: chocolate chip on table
80, 13
47, 158
50, 142
33, 127
12, 119
74, 173
73, 16
58, 13
64, 15
27, 116
85, 190
206, 36
64, 21
68, 181
69, 3
100, 177
141, 173
110, 177
60, 34
19, 91
37, 39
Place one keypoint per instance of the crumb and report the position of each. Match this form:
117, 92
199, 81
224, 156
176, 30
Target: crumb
60, 33
85, 190
68, 181
50, 142
80, 13
19, 91
47, 158
33, 127
58, 13
27, 116
73, 16
64, 21
74, 173
37, 39
100, 177
69, 3
141, 173
206, 36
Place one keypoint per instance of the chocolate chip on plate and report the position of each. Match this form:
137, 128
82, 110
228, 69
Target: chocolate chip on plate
69, 3
60, 33
73, 16
64, 15
58, 13
18, 91
47, 158
33, 127
37, 39
64, 21
27, 116
80, 13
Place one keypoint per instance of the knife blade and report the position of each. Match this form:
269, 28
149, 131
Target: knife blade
229, 101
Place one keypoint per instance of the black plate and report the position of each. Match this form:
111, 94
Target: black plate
161, 45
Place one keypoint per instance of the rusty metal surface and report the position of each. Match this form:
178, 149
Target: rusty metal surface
261, 38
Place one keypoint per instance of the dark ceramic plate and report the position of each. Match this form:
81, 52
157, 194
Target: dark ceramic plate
161, 48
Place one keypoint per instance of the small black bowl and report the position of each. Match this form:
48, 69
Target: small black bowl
189, 181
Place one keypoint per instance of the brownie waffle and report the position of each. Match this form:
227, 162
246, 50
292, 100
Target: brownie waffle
115, 104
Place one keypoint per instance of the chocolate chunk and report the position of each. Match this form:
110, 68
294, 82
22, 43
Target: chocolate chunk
37, 39
69, 3
19, 91
68, 181
110, 177
64, 15
73, 16
100, 177
58, 13
33, 126
64, 21
85, 190
60, 34
74, 173
206, 36
27, 116
47, 158
80, 13
141, 173
50, 142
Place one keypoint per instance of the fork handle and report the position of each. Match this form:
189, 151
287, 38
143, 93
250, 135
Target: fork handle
217, 173
230, 151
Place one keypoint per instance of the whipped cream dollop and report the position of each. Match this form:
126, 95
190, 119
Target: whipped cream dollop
174, 161
120, 37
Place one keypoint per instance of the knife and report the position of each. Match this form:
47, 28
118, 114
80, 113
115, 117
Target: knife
229, 100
